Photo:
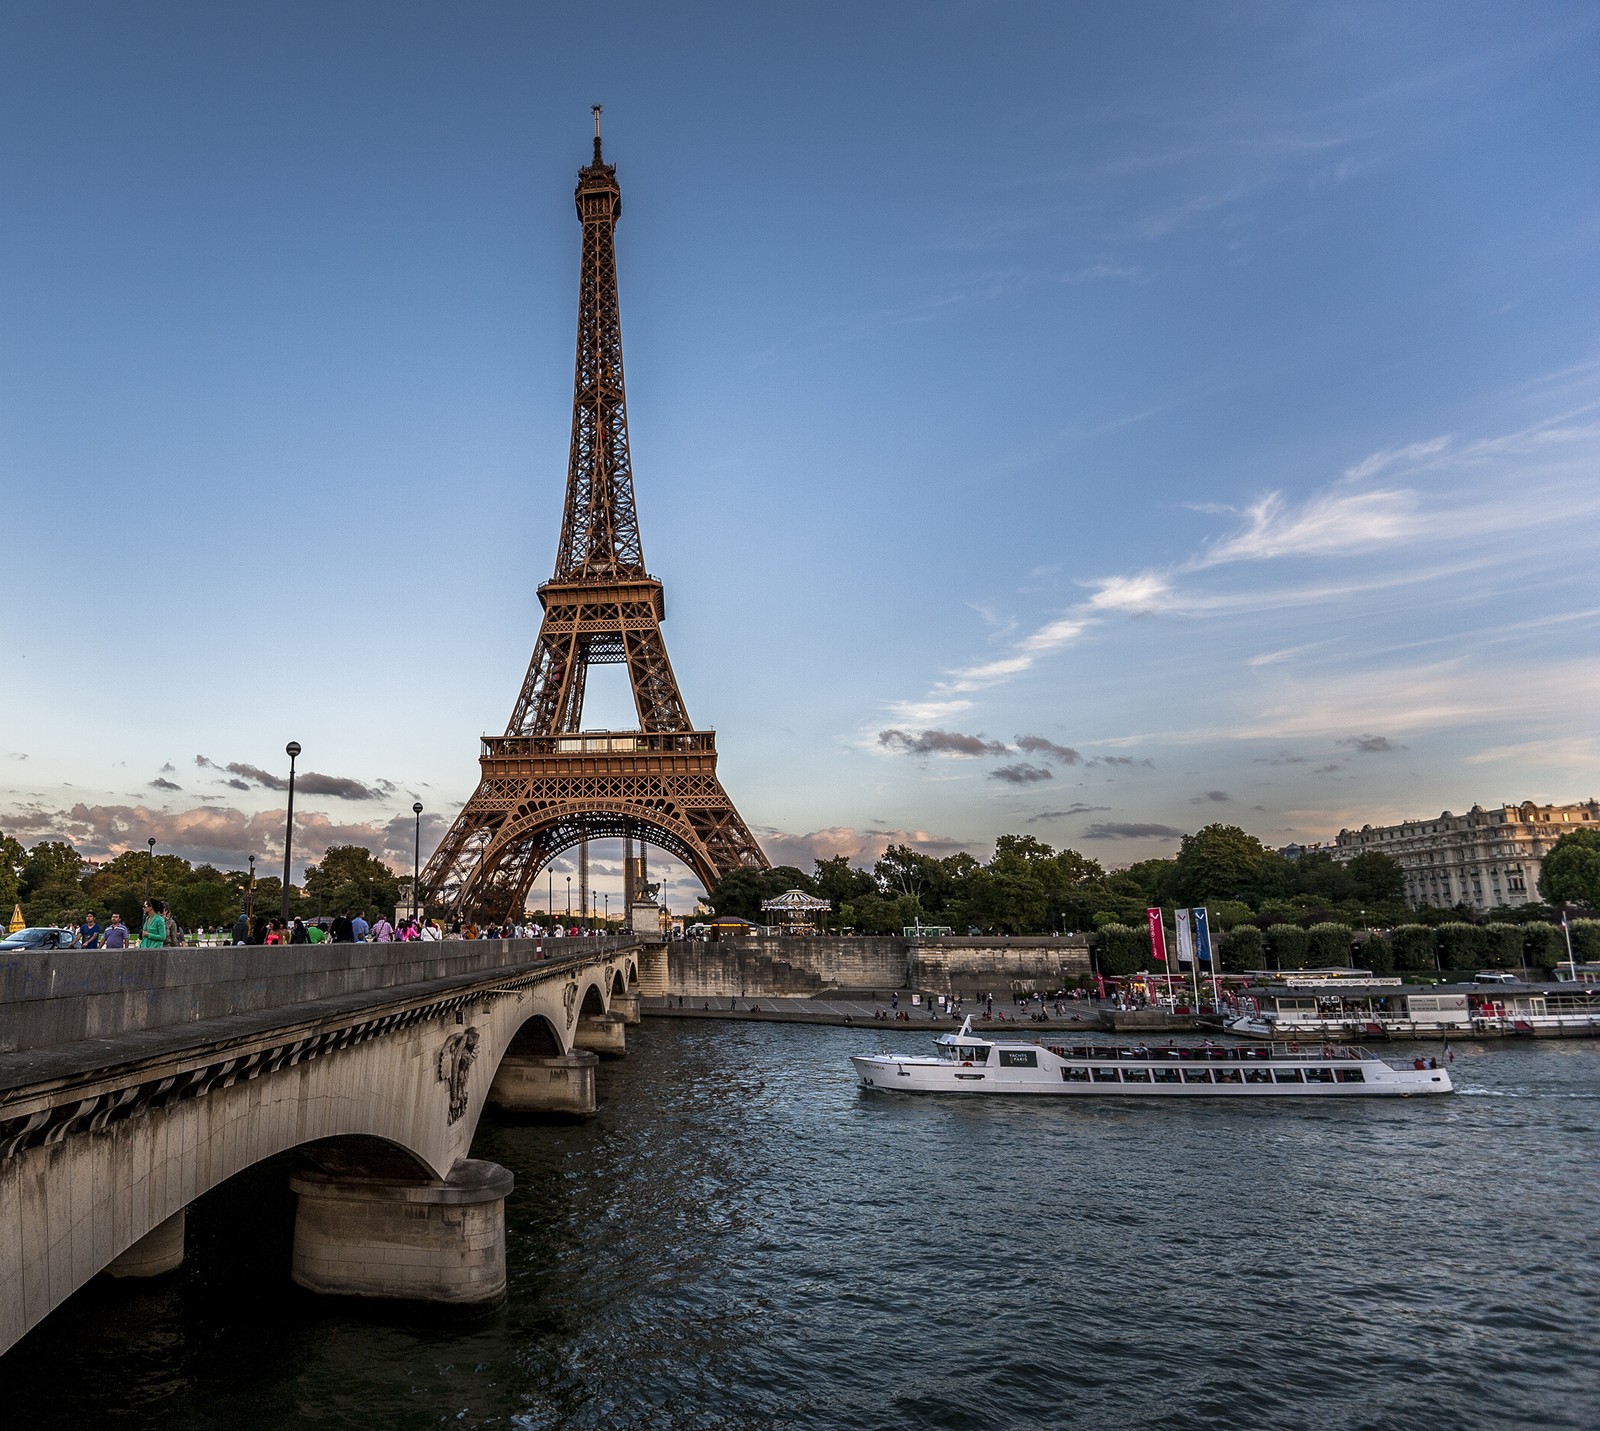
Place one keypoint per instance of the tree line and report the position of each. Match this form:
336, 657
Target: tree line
1028, 887
54, 884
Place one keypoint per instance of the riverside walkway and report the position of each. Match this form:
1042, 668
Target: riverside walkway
854, 1008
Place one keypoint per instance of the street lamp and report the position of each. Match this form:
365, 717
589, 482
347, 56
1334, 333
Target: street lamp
416, 859
292, 750
608, 911
250, 901
569, 899
149, 864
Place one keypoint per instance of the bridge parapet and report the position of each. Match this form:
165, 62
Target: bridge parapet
56, 997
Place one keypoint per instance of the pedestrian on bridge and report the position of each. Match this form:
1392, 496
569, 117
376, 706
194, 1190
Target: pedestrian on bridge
153, 934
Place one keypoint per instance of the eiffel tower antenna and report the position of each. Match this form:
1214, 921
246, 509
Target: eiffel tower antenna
547, 785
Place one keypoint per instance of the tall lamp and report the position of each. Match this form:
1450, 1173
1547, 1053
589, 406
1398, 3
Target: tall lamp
292, 750
416, 861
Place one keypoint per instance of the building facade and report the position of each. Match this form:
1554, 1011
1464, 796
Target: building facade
1483, 859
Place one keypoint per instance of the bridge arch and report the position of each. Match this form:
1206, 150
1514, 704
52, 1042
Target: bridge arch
394, 1095
530, 837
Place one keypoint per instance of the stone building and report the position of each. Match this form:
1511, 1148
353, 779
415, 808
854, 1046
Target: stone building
1483, 858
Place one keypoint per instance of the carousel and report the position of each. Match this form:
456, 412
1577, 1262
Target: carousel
796, 912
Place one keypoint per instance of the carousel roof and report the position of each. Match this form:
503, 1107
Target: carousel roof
796, 901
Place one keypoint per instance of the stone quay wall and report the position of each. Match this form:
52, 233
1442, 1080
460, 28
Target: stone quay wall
54, 997
792, 966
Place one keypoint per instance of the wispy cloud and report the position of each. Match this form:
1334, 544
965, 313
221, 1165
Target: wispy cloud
1329, 524
940, 742
1022, 773
1381, 461
1038, 745
1048, 816
1371, 744
1119, 830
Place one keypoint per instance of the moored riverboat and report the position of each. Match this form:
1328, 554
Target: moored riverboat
965, 1062
1292, 1010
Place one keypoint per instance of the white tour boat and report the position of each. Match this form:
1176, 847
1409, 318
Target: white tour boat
969, 1063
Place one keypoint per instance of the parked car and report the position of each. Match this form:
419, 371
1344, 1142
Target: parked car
42, 937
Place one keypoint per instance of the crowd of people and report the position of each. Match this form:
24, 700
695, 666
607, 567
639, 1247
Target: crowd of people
347, 928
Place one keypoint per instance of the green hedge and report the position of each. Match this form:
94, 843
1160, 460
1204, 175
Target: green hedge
1545, 945
1329, 946
1121, 949
1375, 953
1413, 946
1241, 949
1461, 945
1503, 944
1290, 945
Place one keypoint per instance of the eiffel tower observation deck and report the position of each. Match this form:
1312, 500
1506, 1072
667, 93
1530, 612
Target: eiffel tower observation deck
546, 784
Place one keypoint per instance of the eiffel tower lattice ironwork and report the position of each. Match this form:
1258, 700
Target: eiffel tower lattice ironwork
547, 784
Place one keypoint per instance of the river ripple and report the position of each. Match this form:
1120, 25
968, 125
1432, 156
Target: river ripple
742, 1238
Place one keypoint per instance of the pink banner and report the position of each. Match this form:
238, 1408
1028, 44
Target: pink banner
1158, 934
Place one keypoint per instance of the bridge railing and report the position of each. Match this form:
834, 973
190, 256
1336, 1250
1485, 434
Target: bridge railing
53, 997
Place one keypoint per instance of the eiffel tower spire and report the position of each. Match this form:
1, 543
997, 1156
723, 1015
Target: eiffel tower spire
547, 784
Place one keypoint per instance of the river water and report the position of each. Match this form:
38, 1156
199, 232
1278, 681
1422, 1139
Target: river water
742, 1238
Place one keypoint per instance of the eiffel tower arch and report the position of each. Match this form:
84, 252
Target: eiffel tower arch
547, 784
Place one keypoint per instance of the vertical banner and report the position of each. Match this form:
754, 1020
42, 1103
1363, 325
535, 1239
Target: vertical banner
1158, 934
1202, 940
1180, 917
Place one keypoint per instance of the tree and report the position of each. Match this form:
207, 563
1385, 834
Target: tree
51, 862
1122, 950
1222, 862
1328, 946
1322, 876
1376, 953
1503, 945
838, 880
740, 892
1377, 878
1413, 946
351, 878
1461, 945
1545, 945
1290, 945
1241, 949
1571, 871
12, 859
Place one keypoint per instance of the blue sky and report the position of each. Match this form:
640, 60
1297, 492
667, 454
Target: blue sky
1202, 403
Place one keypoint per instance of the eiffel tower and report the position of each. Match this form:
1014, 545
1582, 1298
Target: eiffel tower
547, 784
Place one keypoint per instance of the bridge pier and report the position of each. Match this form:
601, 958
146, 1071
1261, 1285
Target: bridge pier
426, 1242
628, 1006
530, 1083
159, 1250
601, 1033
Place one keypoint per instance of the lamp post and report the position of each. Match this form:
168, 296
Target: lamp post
569, 899
292, 750
608, 911
250, 901
416, 860
149, 865
550, 894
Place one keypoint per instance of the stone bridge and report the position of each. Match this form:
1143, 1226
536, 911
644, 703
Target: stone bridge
132, 1082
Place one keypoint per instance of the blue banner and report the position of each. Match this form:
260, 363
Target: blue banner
1202, 935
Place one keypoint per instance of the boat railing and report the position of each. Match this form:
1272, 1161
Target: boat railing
1311, 1050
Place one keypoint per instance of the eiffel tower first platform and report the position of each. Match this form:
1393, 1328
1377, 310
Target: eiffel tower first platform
547, 784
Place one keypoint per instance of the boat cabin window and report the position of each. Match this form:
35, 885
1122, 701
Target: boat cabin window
1286, 1075
1165, 1075
1351, 1075
1228, 1075
1071, 1074
1258, 1075
969, 1052
1319, 1075
1108, 1075
1136, 1075
1018, 1058
1197, 1075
